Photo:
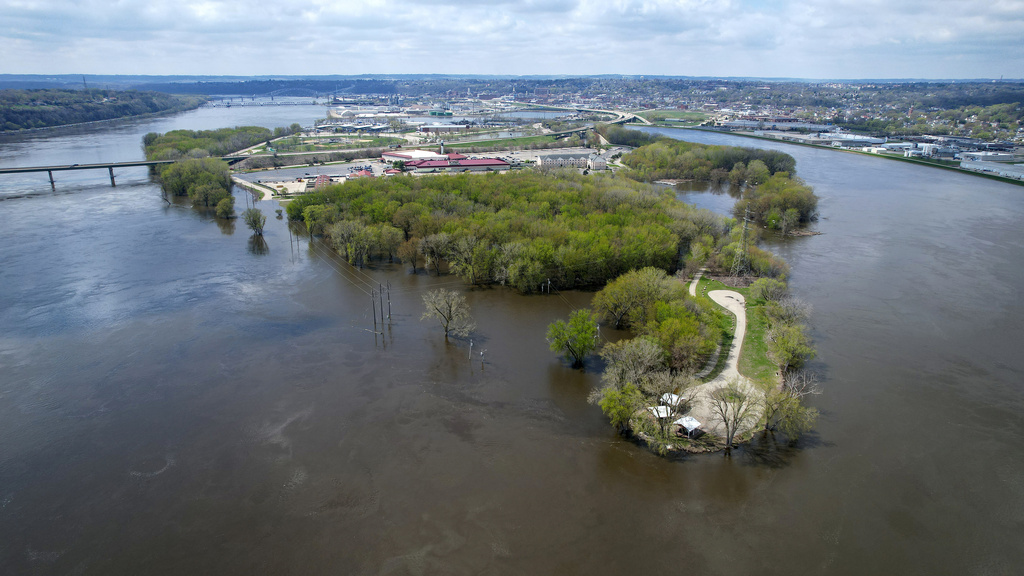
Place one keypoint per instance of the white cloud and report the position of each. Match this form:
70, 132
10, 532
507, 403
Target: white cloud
811, 38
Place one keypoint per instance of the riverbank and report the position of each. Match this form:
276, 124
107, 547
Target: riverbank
862, 153
190, 103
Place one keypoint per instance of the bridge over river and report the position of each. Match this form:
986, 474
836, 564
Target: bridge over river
108, 165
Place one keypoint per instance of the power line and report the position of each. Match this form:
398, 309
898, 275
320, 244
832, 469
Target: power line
339, 270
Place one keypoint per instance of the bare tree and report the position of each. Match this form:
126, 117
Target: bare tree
631, 360
434, 249
783, 405
734, 407
450, 309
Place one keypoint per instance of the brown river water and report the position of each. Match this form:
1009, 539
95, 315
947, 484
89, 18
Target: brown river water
177, 399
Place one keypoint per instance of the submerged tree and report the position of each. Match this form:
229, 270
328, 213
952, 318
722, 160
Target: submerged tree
576, 338
450, 309
783, 405
620, 405
255, 220
734, 407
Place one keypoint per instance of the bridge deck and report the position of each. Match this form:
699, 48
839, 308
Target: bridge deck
130, 164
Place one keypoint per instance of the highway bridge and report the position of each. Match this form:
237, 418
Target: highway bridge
99, 166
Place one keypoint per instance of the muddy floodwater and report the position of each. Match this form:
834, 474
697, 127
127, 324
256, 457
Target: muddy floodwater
178, 398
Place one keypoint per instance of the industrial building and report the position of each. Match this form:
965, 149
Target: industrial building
1015, 171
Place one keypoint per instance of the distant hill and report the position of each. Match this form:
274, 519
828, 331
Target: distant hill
42, 108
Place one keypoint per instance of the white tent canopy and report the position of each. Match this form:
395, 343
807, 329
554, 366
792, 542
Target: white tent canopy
689, 423
669, 399
660, 411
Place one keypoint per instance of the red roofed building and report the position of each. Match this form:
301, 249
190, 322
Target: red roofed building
321, 181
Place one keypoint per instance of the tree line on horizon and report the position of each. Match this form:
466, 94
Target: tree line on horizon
42, 108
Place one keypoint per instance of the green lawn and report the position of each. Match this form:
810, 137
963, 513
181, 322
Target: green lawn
660, 115
506, 142
754, 361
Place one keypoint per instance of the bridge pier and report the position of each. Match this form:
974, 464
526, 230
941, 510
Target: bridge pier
53, 186
111, 170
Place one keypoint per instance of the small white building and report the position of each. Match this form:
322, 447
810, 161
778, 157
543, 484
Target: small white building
408, 155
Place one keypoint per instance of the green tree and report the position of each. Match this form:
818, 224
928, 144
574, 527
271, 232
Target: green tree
783, 408
768, 289
790, 219
226, 207
409, 253
789, 347
434, 249
255, 220
388, 239
624, 300
621, 405
576, 339
450, 309
180, 178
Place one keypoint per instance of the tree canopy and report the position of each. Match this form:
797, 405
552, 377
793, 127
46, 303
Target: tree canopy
519, 229
202, 143
206, 181
678, 159
577, 338
22, 109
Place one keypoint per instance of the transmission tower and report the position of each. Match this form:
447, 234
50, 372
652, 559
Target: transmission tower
741, 263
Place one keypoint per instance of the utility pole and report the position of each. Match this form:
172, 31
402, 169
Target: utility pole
741, 263
373, 303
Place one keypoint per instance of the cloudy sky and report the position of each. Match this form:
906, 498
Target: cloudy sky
765, 38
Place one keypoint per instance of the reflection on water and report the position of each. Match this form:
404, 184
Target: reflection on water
258, 245
173, 400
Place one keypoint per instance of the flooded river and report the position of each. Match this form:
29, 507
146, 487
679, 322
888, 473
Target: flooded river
176, 398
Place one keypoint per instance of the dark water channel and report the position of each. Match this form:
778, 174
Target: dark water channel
174, 399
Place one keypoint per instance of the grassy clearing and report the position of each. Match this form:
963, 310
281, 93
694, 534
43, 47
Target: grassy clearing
506, 142
659, 116
754, 362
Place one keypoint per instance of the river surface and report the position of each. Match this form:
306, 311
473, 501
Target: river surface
177, 398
